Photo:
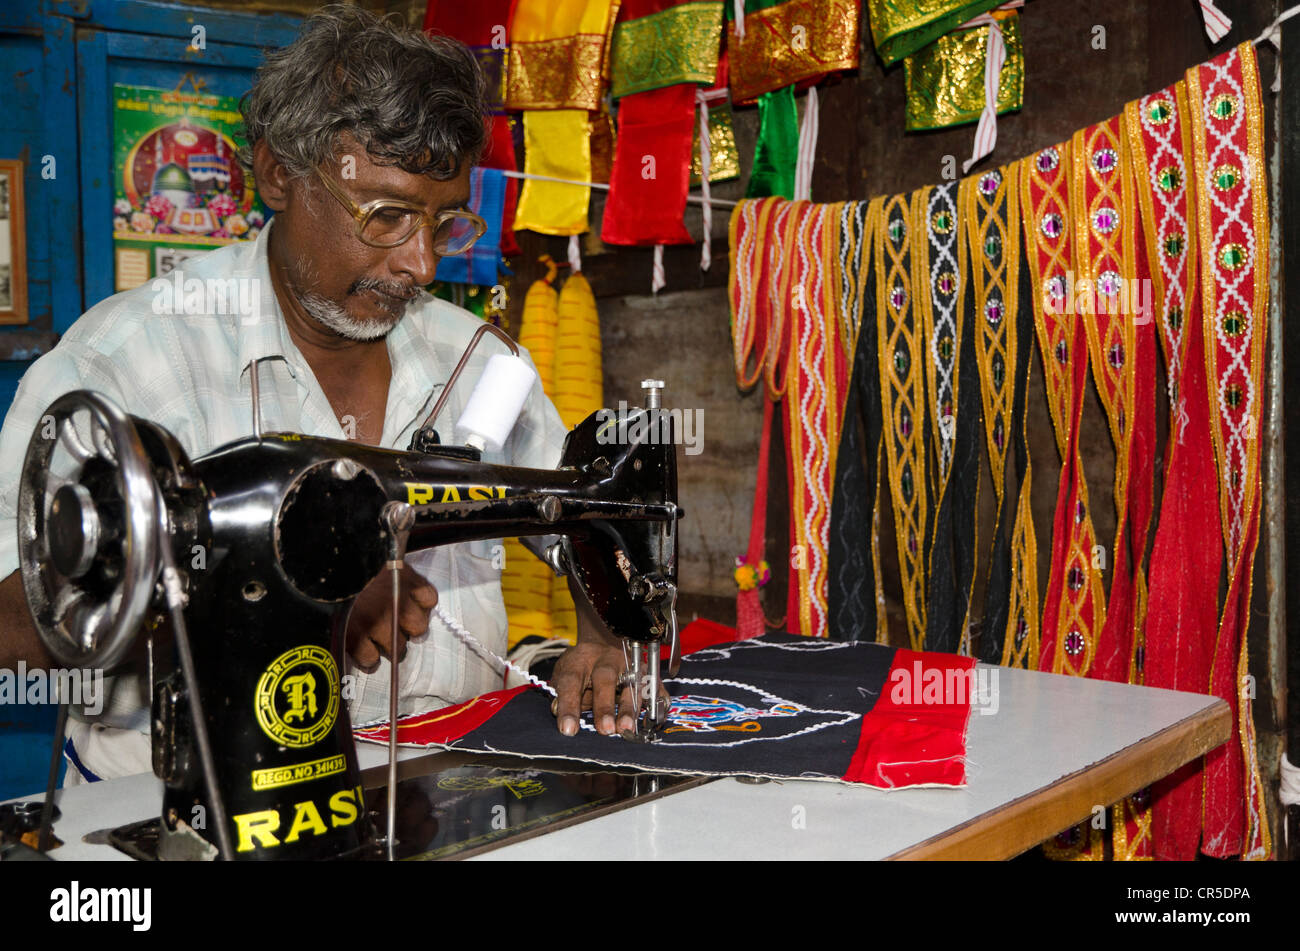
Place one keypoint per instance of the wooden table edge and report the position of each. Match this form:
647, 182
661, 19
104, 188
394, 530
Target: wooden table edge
1039, 815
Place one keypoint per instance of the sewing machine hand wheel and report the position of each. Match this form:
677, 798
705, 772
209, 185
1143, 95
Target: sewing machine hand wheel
87, 540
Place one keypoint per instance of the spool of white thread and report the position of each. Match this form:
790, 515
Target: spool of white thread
496, 402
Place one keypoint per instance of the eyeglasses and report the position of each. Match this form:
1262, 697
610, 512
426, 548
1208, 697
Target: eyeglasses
387, 223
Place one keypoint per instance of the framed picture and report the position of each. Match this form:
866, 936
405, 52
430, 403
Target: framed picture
13, 244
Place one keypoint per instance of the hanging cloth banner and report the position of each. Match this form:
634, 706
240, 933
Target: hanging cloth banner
480, 264
652, 162
855, 587
718, 124
777, 151
660, 43
819, 367
945, 80
557, 144
900, 28
791, 42
902, 363
662, 50
942, 292
482, 27
1073, 607
1223, 97
1003, 336
555, 66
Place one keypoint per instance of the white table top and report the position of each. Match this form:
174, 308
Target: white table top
1049, 734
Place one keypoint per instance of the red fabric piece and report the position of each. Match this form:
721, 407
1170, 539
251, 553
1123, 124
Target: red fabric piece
907, 739
702, 633
750, 620
448, 724
646, 203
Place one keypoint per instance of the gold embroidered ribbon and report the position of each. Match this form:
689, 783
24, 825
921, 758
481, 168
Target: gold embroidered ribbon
724, 157
791, 42
557, 53
945, 80
678, 45
991, 206
903, 401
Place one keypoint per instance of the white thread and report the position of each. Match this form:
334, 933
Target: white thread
1217, 23
847, 716
739, 11
459, 630
657, 279
575, 254
706, 163
1273, 35
803, 167
986, 133
528, 176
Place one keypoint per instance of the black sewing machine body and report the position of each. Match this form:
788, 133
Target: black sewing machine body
272, 539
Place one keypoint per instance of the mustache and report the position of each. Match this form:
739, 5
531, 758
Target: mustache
398, 289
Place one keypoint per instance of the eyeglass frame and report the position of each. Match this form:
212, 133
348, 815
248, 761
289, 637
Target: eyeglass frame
362, 213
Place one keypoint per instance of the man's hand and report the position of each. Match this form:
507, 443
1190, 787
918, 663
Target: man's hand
370, 625
586, 678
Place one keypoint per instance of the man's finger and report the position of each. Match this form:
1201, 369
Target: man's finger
604, 680
426, 596
568, 682
627, 710
366, 655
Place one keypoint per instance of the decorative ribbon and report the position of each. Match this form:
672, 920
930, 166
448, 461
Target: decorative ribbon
557, 53
901, 359
1003, 330
791, 42
855, 588
1183, 606
717, 125
942, 298
647, 195
777, 150
1228, 128
820, 369
1073, 606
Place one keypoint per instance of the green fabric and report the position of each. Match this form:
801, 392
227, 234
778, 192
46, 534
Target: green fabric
889, 20
778, 146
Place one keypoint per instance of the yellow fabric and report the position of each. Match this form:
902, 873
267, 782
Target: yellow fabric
562, 333
578, 379
525, 581
557, 144
559, 51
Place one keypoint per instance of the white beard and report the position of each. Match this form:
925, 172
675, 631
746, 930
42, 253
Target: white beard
334, 317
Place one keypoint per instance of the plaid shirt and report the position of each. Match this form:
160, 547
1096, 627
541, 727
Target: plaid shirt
191, 374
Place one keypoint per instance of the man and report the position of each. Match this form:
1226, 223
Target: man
361, 137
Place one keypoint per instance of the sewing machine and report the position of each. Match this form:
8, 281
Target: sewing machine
240, 568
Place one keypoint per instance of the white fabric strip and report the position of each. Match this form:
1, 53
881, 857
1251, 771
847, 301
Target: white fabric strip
986, 133
1217, 23
706, 252
807, 149
740, 19
575, 253
657, 272
1274, 35
695, 199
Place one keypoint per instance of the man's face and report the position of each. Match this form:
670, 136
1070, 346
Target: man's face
353, 289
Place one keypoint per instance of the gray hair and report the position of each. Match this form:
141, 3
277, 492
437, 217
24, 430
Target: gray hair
411, 100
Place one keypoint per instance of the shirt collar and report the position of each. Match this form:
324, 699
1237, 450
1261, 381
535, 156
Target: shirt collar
263, 335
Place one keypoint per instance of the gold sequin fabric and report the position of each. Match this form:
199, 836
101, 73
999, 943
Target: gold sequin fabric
791, 42
945, 81
901, 27
677, 45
